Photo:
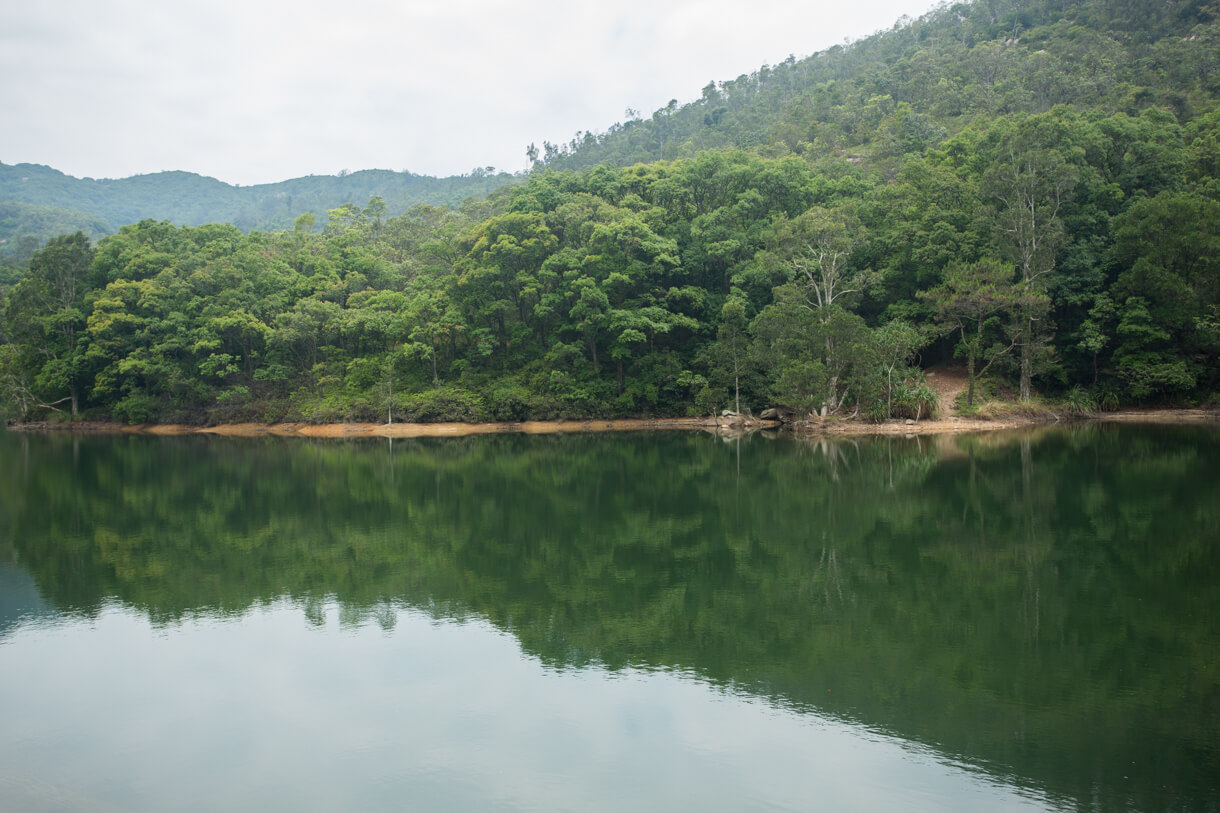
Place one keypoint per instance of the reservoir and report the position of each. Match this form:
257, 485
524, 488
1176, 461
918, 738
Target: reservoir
643, 621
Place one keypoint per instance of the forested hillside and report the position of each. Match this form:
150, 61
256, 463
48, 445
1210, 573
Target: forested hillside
902, 90
100, 207
1030, 187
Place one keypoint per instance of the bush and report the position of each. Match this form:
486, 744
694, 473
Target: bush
137, 407
446, 403
1107, 399
915, 399
877, 412
1080, 401
511, 402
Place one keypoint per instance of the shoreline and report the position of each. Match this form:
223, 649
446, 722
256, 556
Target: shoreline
828, 427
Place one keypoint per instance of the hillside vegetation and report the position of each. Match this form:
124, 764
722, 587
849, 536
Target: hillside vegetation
1030, 187
903, 90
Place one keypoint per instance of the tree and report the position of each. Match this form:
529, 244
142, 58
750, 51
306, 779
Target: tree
971, 300
826, 280
727, 358
46, 319
1029, 183
896, 342
1146, 360
821, 243
304, 223
1094, 337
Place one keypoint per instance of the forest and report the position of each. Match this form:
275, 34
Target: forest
1029, 188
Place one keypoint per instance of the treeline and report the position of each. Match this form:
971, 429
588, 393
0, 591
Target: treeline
1061, 253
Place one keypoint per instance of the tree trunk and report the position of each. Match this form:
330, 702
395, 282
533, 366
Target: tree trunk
970, 351
970, 380
1027, 360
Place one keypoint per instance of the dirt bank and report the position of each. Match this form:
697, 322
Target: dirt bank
831, 426
947, 382
397, 430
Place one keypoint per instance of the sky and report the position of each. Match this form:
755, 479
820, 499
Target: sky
259, 91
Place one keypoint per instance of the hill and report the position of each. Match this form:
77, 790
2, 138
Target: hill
907, 88
100, 207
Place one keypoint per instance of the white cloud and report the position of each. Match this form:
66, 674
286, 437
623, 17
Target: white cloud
252, 92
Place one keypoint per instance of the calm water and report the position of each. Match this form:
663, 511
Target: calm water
644, 622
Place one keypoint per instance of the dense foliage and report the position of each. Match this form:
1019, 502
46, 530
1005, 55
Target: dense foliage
903, 89
1065, 248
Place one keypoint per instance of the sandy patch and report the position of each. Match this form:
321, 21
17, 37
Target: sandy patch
830, 426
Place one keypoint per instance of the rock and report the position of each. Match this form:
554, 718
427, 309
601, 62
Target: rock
771, 414
910, 422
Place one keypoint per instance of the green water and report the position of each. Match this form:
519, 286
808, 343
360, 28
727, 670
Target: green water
630, 622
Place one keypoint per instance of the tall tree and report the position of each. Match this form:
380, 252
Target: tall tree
827, 281
728, 357
1029, 183
46, 318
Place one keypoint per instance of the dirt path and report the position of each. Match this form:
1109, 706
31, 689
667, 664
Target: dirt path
947, 383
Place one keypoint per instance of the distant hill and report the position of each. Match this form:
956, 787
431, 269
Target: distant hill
25, 227
37, 202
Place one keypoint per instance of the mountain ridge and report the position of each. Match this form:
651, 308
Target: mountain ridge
191, 199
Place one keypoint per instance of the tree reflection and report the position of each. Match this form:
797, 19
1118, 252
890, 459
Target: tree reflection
1040, 603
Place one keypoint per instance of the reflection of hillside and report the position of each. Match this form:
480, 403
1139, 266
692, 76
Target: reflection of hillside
1042, 605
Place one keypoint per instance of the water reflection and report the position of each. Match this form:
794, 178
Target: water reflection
1038, 607
434, 716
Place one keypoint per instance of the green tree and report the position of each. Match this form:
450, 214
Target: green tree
304, 223
45, 318
971, 301
728, 357
1030, 182
896, 342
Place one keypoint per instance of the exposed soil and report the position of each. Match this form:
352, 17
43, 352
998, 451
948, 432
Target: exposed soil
396, 430
947, 382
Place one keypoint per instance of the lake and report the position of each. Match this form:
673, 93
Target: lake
651, 621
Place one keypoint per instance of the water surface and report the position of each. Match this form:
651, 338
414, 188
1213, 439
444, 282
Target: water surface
651, 621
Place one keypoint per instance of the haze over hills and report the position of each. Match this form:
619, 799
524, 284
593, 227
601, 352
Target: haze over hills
40, 202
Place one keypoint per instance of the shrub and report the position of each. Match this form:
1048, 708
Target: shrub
1080, 401
446, 403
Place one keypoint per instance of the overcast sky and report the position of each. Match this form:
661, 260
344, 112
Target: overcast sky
257, 91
